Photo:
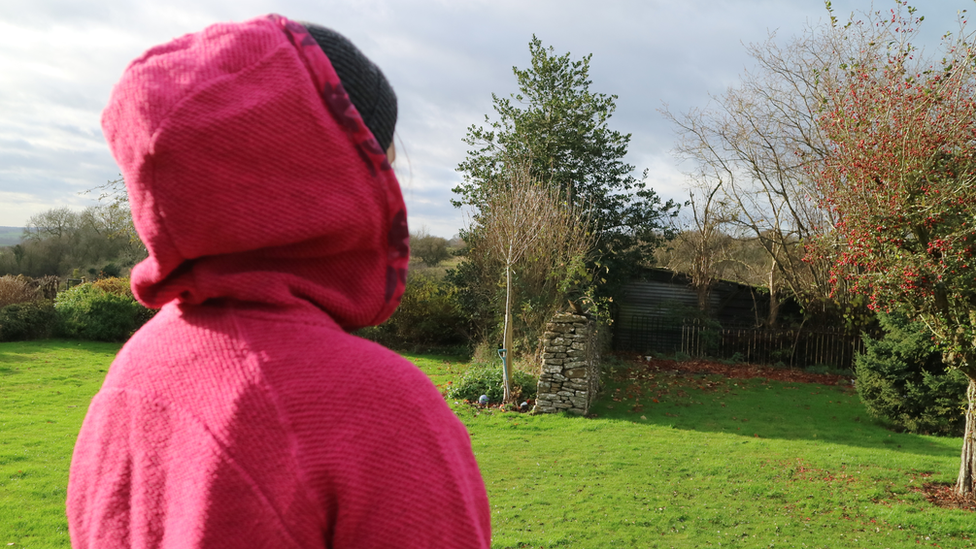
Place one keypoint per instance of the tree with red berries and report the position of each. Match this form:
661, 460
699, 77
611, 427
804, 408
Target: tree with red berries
899, 179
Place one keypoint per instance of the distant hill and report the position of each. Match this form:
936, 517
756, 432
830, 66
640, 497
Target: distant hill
10, 235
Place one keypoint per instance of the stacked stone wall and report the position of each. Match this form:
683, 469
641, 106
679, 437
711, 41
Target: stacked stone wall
570, 376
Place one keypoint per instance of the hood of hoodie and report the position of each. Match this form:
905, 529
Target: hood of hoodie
251, 176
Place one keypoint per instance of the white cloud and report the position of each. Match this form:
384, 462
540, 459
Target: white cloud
60, 58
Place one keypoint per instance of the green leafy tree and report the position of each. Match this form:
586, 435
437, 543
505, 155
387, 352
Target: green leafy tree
560, 127
900, 181
477, 289
430, 249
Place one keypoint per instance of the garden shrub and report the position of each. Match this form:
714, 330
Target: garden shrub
114, 285
112, 270
16, 289
87, 311
487, 380
427, 316
902, 381
25, 321
485, 354
122, 286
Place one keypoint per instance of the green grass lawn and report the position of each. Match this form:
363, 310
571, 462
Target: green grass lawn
679, 460
670, 460
45, 388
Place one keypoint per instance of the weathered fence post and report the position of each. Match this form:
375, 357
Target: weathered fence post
570, 375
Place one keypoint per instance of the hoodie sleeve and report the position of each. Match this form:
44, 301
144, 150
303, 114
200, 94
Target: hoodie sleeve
397, 467
420, 487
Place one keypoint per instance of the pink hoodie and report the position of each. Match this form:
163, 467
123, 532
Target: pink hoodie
244, 414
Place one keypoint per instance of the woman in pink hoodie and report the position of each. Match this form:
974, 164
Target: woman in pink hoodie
244, 414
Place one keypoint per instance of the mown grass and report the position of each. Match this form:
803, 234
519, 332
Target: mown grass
679, 460
670, 460
45, 388
441, 369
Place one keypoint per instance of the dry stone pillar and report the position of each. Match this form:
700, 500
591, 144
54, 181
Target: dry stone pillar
570, 375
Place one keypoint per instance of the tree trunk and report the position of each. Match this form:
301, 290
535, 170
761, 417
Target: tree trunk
507, 337
773, 319
702, 289
967, 465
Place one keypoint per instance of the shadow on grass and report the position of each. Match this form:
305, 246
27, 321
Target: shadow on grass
755, 408
54, 345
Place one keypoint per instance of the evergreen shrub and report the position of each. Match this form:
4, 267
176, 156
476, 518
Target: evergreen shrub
122, 286
902, 381
25, 321
89, 312
487, 380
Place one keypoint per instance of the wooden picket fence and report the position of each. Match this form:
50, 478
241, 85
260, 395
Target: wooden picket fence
796, 348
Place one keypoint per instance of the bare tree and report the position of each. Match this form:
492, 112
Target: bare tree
755, 143
115, 215
851, 133
55, 223
59, 240
702, 250
523, 221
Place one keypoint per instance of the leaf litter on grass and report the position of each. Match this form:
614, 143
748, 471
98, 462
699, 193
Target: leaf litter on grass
712, 459
669, 378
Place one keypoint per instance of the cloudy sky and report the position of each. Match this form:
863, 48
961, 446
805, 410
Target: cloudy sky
60, 58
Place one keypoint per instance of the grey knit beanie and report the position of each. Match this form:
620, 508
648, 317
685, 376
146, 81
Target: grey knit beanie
365, 84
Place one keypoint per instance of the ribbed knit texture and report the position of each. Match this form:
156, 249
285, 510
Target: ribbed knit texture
363, 81
244, 414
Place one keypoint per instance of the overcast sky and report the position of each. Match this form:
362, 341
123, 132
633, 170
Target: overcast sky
60, 58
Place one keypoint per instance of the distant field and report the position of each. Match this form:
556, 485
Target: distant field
10, 236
